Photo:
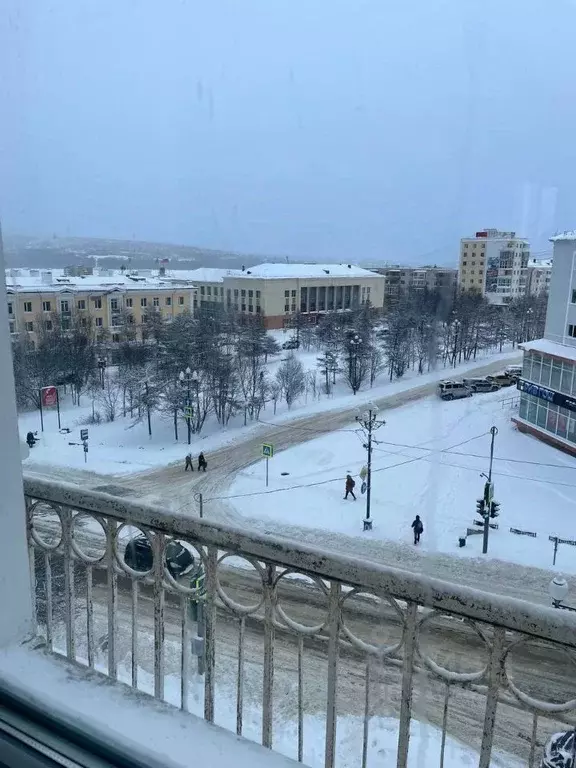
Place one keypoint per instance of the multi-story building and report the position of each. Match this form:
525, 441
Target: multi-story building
539, 275
278, 292
399, 280
548, 384
495, 264
109, 297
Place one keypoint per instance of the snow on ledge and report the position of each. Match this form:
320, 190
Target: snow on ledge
547, 347
133, 720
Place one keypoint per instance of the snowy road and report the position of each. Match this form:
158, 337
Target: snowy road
174, 489
463, 652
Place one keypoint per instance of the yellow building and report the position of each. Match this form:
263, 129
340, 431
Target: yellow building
110, 298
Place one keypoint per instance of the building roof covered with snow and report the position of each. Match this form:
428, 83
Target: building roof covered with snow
203, 274
568, 234
45, 280
305, 271
553, 348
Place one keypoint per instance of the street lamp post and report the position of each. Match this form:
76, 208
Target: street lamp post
369, 423
185, 380
355, 342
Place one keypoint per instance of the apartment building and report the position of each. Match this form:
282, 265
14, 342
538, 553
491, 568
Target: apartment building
495, 264
110, 297
398, 280
539, 276
548, 384
277, 292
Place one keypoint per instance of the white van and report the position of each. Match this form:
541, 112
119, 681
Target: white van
452, 390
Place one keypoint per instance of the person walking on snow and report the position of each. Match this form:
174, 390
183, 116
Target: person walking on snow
189, 464
418, 529
202, 463
350, 483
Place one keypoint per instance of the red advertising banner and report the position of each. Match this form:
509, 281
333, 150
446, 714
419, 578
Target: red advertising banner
49, 396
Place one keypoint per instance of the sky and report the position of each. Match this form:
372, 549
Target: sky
349, 129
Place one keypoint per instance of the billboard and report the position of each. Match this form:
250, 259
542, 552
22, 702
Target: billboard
49, 396
492, 267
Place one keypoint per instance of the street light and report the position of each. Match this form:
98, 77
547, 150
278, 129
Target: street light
186, 378
558, 589
355, 342
368, 420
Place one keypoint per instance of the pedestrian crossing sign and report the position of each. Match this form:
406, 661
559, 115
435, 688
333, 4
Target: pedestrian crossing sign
188, 411
267, 450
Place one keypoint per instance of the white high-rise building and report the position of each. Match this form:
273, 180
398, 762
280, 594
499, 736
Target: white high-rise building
495, 264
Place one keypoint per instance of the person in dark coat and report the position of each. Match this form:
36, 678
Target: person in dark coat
350, 483
30, 439
202, 463
418, 529
189, 464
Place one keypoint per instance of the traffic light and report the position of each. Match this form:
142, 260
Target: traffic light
481, 508
495, 509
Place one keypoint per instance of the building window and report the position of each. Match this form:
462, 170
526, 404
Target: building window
258, 294
156, 301
12, 326
286, 307
209, 290
181, 300
131, 319
128, 302
114, 304
116, 337
293, 307
250, 294
293, 294
64, 306
27, 306
97, 303
221, 291
286, 294
46, 306
572, 331
573, 295
464, 263
243, 293
143, 301
30, 326
258, 309
243, 307
48, 325
168, 301
250, 308
98, 322
202, 290
465, 245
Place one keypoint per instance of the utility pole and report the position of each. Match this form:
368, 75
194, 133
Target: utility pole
489, 511
369, 423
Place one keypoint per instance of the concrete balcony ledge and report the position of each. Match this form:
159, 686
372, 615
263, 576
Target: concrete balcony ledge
150, 731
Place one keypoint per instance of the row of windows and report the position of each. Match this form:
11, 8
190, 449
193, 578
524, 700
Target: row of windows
474, 245
81, 304
555, 374
549, 416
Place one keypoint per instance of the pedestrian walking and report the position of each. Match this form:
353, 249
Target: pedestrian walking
189, 464
202, 463
418, 529
350, 483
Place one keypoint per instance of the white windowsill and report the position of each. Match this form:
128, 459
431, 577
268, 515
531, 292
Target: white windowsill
139, 723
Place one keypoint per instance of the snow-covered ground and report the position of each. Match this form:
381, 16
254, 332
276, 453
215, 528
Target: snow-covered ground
124, 446
428, 461
184, 741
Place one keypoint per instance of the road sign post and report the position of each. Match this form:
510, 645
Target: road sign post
267, 453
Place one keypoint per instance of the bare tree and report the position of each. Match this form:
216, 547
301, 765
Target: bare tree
109, 397
290, 378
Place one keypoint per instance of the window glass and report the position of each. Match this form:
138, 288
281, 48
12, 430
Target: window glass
536, 369
562, 425
545, 374
532, 409
566, 380
523, 409
551, 419
541, 416
556, 375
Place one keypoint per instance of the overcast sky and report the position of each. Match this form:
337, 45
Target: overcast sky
317, 128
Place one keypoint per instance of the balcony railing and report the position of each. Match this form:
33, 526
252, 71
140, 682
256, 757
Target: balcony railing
289, 640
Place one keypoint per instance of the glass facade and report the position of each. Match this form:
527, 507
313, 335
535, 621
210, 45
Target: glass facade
555, 375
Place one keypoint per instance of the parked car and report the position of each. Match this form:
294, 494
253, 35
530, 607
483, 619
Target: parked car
292, 343
503, 379
514, 371
138, 555
453, 390
481, 385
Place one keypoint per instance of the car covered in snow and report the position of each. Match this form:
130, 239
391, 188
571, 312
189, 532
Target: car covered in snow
292, 343
481, 384
503, 379
514, 371
138, 555
453, 390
